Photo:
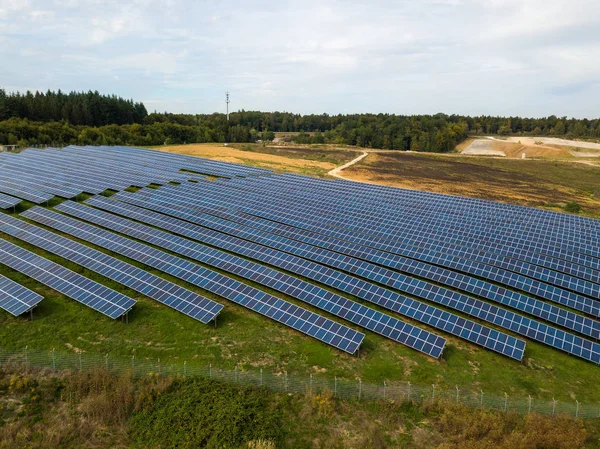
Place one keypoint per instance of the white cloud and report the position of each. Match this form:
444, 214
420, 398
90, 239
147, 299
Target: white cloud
526, 57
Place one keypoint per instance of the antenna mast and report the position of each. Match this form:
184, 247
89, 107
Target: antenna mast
227, 103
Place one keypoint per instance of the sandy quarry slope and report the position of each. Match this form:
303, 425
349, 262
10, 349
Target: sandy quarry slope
515, 147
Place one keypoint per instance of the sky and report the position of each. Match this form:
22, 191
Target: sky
498, 57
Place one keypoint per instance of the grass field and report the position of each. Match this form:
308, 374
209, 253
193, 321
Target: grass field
543, 183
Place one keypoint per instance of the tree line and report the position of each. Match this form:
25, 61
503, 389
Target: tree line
94, 119
79, 108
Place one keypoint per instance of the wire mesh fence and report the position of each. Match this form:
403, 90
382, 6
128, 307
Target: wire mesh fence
297, 384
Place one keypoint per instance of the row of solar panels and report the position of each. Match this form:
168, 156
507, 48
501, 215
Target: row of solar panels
189, 207
38, 175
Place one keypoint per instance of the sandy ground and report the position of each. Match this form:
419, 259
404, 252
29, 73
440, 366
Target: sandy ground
228, 154
555, 141
482, 147
515, 149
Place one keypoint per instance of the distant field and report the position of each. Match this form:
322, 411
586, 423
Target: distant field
539, 183
307, 161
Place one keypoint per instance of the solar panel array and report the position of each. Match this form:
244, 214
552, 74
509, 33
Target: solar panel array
523, 325
172, 295
388, 299
92, 294
289, 314
432, 258
204, 193
16, 299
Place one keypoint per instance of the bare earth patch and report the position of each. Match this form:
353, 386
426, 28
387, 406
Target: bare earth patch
229, 154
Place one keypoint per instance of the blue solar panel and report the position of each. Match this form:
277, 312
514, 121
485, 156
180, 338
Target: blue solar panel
22, 180
35, 196
356, 313
172, 295
437, 318
16, 299
96, 296
7, 202
282, 311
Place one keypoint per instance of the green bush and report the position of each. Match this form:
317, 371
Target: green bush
203, 413
572, 207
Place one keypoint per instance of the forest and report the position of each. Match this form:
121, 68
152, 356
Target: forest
90, 118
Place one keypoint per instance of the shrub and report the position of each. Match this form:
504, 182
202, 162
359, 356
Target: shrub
572, 208
208, 414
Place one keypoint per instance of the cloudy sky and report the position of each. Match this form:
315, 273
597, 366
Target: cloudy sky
501, 57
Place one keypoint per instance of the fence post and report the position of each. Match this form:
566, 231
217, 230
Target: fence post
310, 386
505, 401
529, 410
261, 377
53, 360
184, 368
334, 386
210, 370
359, 388
577, 409
408, 397
553, 406
384, 385
433, 392
133, 365
481, 404
457, 396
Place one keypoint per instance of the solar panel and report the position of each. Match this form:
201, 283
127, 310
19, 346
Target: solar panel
337, 335
356, 313
25, 193
27, 181
437, 318
16, 299
96, 296
172, 295
7, 202
281, 213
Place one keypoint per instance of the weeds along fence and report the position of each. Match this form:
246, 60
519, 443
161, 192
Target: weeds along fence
311, 385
